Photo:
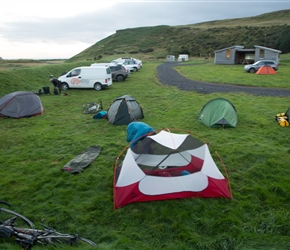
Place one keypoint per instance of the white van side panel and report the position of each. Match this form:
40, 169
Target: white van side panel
88, 77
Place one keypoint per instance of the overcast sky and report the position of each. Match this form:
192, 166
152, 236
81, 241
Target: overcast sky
43, 29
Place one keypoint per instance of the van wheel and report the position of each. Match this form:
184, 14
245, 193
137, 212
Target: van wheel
64, 86
120, 78
98, 86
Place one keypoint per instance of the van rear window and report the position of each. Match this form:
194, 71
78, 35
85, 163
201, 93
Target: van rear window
108, 70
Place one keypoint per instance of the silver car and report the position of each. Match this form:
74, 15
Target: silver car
252, 68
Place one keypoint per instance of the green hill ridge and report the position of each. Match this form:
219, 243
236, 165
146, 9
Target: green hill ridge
201, 39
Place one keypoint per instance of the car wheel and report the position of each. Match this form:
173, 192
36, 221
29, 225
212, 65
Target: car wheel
135, 69
252, 70
64, 86
98, 86
120, 78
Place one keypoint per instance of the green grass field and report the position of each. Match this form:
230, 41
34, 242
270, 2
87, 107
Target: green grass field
234, 74
256, 155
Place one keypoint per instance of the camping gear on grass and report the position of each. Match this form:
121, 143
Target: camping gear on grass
46, 90
124, 110
101, 115
20, 104
92, 107
137, 131
219, 112
80, 162
168, 166
283, 118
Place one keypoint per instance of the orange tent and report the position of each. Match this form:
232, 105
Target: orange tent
266, 70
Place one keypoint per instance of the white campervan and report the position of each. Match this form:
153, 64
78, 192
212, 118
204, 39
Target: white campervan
98, 77
182, 58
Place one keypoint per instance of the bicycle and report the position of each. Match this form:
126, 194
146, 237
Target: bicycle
28, 237
92, 107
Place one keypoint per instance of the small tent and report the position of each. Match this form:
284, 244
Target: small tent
219, 112
124, 110
20, 104
287, 113
168, 166
266, 70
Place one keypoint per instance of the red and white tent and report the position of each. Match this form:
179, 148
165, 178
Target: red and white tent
168, 166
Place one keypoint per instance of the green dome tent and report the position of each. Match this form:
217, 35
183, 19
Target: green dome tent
288, 113
219, 112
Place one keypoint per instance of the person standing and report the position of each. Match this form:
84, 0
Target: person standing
56, 83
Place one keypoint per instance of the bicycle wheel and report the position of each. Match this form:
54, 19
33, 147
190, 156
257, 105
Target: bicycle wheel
6, 219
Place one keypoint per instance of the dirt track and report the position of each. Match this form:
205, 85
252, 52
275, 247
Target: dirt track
168, 75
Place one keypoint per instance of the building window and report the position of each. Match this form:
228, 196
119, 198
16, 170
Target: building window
228, 54
262, 54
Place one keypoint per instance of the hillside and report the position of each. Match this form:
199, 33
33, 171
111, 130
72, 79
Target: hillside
200, 39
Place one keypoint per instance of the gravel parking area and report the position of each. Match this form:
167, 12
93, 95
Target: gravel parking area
168, 75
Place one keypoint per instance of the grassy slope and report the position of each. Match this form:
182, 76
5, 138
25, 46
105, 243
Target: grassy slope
34, 150
200, 39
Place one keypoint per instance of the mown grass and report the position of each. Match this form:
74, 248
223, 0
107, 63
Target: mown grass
256, 154
235, 74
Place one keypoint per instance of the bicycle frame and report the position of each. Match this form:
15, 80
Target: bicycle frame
27, 237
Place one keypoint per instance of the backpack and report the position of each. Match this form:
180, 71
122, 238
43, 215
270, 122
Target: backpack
100, 115
46, 90
282, 119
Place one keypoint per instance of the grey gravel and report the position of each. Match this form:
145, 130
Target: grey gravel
168, 75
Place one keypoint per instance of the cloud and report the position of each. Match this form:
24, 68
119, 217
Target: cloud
81, 24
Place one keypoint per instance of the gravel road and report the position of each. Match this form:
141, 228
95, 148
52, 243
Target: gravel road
168, 75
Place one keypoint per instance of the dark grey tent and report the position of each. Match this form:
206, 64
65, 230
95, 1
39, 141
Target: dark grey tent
20, 104
219, 112
124, 110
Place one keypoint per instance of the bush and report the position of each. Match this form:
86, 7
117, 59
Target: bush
147, 50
